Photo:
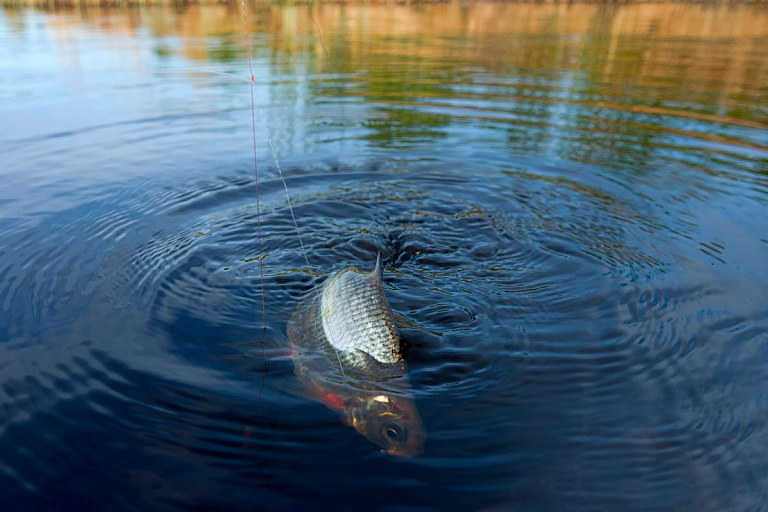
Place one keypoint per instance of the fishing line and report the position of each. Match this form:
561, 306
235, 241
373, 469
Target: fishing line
256, 173
254, 100
341, 105
285, 185
328, 59
254, 105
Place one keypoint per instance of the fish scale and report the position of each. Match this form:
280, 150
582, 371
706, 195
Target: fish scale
356, 316
347, 356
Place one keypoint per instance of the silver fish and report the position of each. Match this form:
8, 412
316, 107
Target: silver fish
348, 355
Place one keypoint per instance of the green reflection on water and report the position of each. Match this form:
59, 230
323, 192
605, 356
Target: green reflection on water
602, 84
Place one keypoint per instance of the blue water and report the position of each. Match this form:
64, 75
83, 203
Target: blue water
570, 203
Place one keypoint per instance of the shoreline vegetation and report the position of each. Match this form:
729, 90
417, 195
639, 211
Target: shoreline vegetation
74, 4
373, 36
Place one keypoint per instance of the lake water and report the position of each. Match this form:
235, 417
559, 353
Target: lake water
571, 206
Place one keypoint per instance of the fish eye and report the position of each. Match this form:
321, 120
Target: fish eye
394, 433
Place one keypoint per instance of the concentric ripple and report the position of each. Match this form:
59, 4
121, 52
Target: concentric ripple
569, 202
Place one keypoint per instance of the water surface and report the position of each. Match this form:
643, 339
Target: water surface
570, 205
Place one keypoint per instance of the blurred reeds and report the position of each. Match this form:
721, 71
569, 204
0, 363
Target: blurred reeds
63, 4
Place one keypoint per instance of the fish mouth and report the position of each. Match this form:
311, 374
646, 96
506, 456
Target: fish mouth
405, 452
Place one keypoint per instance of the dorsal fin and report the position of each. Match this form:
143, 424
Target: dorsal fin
376, 272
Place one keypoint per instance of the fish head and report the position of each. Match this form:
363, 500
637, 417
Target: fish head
390, 421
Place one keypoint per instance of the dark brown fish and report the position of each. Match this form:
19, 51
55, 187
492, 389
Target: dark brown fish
347, 353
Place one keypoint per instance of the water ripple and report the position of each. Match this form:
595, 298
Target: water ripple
572, 234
